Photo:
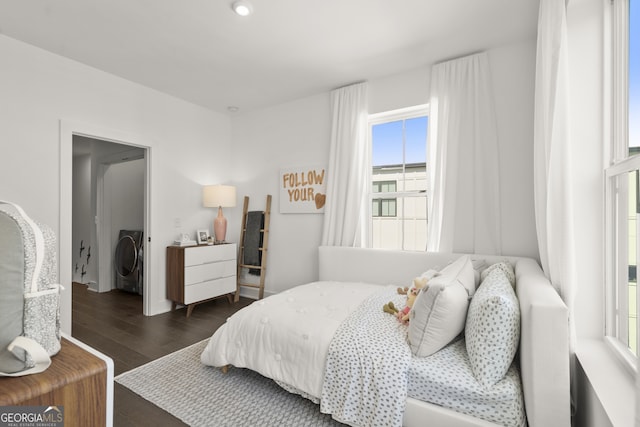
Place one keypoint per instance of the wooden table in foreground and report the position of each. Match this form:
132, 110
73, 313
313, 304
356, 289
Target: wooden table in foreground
80, 379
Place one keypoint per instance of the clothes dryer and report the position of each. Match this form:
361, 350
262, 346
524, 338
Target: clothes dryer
128, 261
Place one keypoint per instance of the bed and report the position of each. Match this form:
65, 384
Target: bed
308, 339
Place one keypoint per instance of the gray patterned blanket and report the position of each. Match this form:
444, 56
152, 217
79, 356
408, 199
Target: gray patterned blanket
367, 367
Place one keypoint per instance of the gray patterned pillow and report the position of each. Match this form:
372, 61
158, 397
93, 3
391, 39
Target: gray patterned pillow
506, 268
492, 330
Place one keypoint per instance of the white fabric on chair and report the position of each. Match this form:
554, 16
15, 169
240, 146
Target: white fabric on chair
345, 222
464, 203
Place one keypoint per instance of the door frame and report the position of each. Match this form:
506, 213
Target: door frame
68, 129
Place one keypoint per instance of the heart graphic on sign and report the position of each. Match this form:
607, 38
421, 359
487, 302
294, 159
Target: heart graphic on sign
320, 199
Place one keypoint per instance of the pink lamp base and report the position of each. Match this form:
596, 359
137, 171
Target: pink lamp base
220, 227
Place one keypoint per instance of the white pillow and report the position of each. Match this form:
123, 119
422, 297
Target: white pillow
479, 265
492, 331
439, 312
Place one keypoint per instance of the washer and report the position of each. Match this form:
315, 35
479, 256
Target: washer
128, 261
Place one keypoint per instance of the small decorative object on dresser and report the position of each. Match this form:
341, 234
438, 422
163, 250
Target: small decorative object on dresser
197, 274
203, 236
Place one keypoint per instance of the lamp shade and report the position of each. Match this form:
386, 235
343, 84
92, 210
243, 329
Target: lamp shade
214, 196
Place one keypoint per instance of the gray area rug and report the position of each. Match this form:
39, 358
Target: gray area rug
201, 395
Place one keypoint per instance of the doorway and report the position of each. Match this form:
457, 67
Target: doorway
108, 215
69, 130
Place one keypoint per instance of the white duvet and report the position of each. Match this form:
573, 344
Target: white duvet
286, 336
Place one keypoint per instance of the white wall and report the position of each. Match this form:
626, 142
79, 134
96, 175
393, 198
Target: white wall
287, 135
189, 146
585, 20
513, 75
585, 38
298, 134
125, 183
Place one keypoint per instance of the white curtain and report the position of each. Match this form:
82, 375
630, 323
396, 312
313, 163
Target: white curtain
552, 151
345, 221
553, 195
463, 163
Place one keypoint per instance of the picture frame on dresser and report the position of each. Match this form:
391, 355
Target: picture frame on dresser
202, 236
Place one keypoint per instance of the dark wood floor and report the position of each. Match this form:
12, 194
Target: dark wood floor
113, 323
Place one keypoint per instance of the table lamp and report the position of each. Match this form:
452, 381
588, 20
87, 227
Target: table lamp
219, 196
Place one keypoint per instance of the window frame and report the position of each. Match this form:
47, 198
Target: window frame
386, 117
617, 163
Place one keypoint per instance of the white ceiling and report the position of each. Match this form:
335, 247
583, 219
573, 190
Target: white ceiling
200, 51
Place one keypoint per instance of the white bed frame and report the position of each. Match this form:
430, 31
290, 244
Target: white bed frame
544, 337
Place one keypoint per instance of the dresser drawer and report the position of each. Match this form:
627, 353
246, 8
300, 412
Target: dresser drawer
206, 254
210, 271
209, 289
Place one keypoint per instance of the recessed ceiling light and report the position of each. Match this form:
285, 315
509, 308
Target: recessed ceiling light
242, 8
233, 109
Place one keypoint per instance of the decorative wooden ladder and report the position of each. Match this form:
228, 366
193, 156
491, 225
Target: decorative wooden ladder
266, 214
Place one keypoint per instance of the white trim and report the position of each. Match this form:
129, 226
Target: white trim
617, 166
612, 384
399, 114
620, 79
622, 353
103, 216
103, 228
397, 194
146, 259
627, 165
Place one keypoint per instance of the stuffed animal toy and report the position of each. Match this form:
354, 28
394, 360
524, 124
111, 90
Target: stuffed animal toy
403, 315
411, 293
419, 283
390, 308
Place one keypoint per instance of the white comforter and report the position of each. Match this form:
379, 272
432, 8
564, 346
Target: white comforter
286, 337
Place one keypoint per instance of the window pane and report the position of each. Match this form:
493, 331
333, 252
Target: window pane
634, 77
385, 208
392, 207
632, 245
407, 230
626, 217
416, 134
387, 144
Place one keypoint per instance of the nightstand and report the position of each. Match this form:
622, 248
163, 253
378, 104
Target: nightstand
80, 379
197, 274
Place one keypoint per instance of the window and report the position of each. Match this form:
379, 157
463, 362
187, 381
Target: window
382, 206
622, 182
399, 179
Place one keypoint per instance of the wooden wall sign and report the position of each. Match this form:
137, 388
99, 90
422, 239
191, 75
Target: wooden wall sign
303, 189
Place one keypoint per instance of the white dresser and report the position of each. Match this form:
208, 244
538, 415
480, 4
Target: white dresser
199, 273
